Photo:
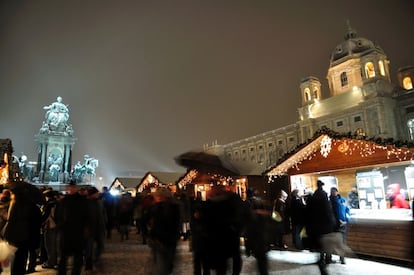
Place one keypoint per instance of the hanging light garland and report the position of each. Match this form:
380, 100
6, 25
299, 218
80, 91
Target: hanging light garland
347, 144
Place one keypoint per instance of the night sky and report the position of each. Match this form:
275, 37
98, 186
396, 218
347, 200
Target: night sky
148, 80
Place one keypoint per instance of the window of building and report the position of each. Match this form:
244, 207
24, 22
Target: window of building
410, 125
344, 79
251, 149
244, 151
307, 94
357, 118
339, 123
407, 83
261, 159
360, 132
291, 139
280, 142
260, 147
315, 94
270, 144
381, 67
369, 70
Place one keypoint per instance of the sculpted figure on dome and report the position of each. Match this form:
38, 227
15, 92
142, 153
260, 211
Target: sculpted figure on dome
57, 113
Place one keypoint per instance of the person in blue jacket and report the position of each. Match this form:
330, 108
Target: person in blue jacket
341, 212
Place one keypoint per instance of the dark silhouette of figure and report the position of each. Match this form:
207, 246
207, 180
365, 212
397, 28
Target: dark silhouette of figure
22, 229
4, 209
49, 229
147, 202
297, 215
353, 197
72, 218
185, 212
223, 221
320, 221
257, 226
198, 235
281, 222
125, 215
110, 210
164, 231
96, 229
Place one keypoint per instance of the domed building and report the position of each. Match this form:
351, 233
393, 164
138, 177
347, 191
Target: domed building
359, 139
362, 99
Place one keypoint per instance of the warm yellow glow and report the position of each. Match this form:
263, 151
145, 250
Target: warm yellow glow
381, 67
307, 94
353, 146
369, 70
4, 171
407, 83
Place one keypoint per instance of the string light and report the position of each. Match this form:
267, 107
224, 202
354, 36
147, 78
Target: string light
346, 145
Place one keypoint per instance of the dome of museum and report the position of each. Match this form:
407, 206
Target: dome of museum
354, 46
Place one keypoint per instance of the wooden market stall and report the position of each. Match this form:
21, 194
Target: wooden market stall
372, 165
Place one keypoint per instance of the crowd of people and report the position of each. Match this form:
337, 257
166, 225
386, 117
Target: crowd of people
76, 223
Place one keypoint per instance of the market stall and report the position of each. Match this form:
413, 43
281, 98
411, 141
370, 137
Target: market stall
378, 172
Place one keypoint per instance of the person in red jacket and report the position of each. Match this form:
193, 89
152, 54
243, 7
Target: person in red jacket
397, 200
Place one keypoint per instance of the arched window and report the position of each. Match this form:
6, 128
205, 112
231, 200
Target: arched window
307, 94
410, 125
369, 70
381, 67
407, 83
315, 94
344, 79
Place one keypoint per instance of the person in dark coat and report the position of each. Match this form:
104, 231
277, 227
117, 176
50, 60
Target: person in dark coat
125, 213
22, 229
109, 203
320, 221
223, 218
4, 210
49, 229
96, 229
72, 219
281, 223
256, 228
297, 215
164, 231
198, 234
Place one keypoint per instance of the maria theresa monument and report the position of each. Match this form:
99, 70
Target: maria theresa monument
55, 143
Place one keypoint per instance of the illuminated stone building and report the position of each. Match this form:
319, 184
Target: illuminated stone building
362, 99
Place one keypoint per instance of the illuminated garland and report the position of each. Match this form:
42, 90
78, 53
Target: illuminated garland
348, 144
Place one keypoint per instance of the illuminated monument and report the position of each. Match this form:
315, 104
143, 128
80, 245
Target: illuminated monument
54, 144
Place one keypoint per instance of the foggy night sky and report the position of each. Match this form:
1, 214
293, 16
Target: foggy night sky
148, 80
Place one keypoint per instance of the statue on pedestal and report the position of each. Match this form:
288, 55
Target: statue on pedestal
57, 115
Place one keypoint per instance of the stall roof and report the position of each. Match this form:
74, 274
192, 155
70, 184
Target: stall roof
331, 151
158, 179
125, 183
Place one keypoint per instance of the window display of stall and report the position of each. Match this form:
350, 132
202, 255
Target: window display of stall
371, 190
